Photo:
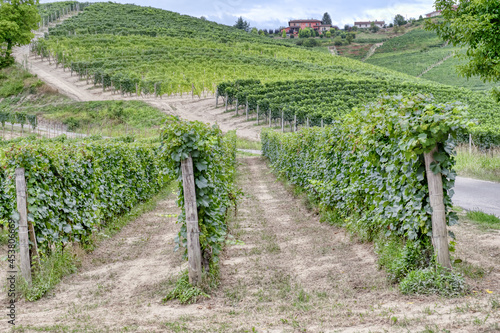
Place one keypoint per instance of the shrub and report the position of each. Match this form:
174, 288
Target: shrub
434, 281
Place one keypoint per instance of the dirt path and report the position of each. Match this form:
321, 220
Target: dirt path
439, 63
372, 51
287, 273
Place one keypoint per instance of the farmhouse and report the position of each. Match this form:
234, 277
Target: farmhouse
367, 24
295, 25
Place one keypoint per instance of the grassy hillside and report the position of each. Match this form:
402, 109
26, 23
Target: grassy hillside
142, 50
418, 50
177, 53
23, 93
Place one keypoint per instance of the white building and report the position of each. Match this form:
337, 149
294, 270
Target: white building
367, 24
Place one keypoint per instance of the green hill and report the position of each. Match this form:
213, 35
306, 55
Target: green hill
142, 50
417, 51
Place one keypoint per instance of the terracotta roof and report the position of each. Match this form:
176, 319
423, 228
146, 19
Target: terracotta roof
303, 21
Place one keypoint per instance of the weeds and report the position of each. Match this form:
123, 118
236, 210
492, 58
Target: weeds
49, 274
430, 280
184, 291
483, 219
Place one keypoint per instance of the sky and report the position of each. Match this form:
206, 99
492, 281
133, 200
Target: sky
272, 14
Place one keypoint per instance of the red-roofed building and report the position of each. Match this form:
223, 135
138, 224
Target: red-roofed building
295, 25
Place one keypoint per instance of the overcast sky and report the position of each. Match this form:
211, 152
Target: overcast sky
271, 14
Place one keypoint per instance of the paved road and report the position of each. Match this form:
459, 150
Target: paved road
481, 195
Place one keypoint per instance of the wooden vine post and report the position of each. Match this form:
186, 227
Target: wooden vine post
439, 229
246, 110
282, 121
193, 231
23, 225
257, 114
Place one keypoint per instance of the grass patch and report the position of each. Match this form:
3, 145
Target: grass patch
184, 291
399, 259
14, 80
429, 281
247, 144
476, 164
485, 220
49, 274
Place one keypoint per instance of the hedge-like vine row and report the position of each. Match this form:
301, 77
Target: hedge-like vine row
76, 186
330, 99
369, 168
214, 170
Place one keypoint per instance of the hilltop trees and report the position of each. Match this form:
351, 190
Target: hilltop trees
17, 19
374, 28
399, 20
476, 25
242, 24
326, 19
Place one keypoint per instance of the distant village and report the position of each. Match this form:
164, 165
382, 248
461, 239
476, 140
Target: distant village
321, 27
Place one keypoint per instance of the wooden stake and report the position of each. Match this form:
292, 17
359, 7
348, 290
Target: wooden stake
23, 225
295, 122
439, 230
217, 98
193, 232
225, 102
257, 114
282, 121
236, 106
246, 110
270, 118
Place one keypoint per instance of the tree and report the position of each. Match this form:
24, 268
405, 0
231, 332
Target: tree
328, 34
476, 26
305, 33
326, 19
242, 24
349, 38
283, 34
254, 31
17, 20
399, 20
346, 27
374, 28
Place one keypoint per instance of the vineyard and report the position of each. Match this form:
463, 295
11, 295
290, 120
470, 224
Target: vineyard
367, 172
416, 51
172, 53
317, 102
75, 187
369, 150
